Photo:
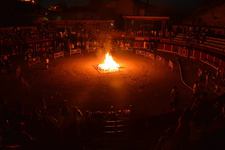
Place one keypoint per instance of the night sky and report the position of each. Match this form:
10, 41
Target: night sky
174, 3
8, 10
69, 3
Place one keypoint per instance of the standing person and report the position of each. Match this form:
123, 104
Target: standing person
47, 63
174, 98
171, 65
6, 61
199, 73
18, 72
195, 88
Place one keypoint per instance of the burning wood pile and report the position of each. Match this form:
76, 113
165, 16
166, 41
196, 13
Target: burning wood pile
108, 65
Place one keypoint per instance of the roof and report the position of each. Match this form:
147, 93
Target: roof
150, 18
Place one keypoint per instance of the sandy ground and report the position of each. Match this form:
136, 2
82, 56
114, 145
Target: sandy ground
143, 83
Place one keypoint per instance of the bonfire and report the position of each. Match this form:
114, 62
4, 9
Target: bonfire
109, 65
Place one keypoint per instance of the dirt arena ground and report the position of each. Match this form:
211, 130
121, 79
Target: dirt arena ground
142, 82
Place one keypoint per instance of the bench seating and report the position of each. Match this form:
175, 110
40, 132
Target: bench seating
58, 54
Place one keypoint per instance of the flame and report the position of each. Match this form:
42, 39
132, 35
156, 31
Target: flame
109, 64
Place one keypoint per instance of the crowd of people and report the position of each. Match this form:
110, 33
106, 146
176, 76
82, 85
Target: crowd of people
42, 41
199, 126
37, 43
55, 122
